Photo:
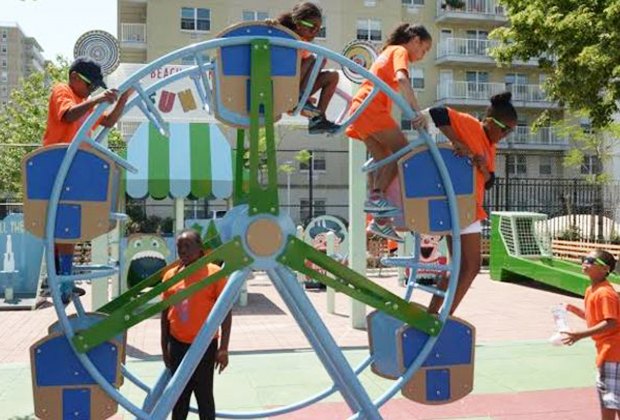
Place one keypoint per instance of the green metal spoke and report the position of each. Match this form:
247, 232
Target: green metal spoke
138, 308
240, 196
262, 199
356, 286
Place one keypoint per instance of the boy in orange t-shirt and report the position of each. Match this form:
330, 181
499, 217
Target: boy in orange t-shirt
181, 323
69, 106
602, 315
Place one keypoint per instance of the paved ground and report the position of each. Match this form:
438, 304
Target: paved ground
519, 375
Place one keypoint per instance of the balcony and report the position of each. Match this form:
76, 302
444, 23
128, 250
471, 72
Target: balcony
478, 94
133, 35
544, 138
475, 11
468, 50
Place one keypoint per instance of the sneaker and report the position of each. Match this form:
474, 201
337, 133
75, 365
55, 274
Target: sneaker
384, 231
310, 111
320, 125
379, 205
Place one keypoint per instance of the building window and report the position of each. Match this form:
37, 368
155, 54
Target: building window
319, 208
370, 3
369, 29
545, 166
417, 78
195, 19
4, 35
591, 165
3, 49
4, 76
249, 15
319, 162
516, 165
413, 2
3, 63
4, 92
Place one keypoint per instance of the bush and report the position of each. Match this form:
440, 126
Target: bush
573, 233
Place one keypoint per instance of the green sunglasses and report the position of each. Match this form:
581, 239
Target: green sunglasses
501, 125
309, 25
86, 80
593, 260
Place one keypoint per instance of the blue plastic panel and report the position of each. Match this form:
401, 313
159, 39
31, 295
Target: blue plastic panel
422, 178
236, 59
453, 347
68, 221
87, 179
76, 404
439, 215
437, 385
57, 365
383, 329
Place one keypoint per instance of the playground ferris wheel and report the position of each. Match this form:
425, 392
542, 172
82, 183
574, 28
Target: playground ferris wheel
249, 83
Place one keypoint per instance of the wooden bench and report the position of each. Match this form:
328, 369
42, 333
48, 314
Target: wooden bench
574, 250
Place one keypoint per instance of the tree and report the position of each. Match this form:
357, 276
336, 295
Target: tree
23, 121
577, 43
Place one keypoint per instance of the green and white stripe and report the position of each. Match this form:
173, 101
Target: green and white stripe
195, 162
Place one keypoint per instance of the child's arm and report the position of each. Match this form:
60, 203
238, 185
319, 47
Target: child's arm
221, 357
574, 336
78, 111
165, 334
111, 119
575, 310
404, 86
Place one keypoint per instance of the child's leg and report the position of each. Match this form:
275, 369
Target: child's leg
177, 352
470, 267
326, 81
203, 380
608, 387
391, 141
304, 71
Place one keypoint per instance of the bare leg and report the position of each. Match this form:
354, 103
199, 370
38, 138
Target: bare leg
304, 71
609, 414
470, 267
326, 81
392, 140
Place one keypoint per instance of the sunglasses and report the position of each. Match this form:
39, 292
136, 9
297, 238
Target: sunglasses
309, 25
505, 129
593, 261
86, 80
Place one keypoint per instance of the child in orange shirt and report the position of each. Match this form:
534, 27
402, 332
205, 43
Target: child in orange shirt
476, 139
69, 106
305, 20
375, 126
602, 315
181, 323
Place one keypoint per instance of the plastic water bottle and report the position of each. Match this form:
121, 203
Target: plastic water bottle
559, 317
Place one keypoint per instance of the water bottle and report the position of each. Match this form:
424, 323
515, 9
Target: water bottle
559, 317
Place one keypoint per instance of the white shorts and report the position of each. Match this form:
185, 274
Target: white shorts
475, 227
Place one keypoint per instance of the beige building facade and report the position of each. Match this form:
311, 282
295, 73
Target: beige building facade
20, 56
457, 72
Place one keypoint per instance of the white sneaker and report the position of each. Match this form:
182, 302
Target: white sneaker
378, 205
384, 231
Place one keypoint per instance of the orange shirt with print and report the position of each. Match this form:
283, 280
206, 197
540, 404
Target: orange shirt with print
471, 133
602, 302
57, 130
187, 316
377, 116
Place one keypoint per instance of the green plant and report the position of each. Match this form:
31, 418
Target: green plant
572, 233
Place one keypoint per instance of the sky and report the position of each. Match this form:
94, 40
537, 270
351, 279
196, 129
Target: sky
57, 24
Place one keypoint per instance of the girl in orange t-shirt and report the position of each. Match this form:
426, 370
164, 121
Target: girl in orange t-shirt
477, 140
376, 127
305, 20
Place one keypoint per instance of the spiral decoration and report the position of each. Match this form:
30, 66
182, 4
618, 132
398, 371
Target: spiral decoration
102, 47
362, 53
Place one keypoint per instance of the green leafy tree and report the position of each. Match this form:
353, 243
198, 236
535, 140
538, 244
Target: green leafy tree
577, 43
23, 121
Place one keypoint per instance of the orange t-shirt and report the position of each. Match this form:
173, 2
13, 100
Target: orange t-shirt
187, 316
602, 302
378, 114
471, 133
57, 130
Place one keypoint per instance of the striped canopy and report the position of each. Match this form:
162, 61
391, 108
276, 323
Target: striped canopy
195, 162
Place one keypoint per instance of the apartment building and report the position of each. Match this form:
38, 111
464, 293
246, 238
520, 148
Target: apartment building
458, 72
20, 56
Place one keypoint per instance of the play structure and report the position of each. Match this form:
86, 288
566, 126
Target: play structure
251, 81
521, 247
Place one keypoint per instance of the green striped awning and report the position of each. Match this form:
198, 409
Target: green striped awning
196, 161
